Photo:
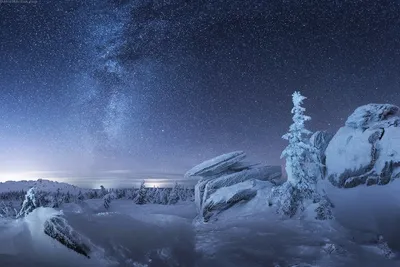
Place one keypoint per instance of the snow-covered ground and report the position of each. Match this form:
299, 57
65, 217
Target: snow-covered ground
246, 235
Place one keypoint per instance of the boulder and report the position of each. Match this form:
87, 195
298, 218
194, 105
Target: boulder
216, 165
58, 228
371, 115
367, 149
228, 171
263, 173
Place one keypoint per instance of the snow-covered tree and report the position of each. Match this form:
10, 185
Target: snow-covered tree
67, 198
302, 168
80, 196
103, 191
141, 196
30, 203
173, 197
7, 210
107, 199
164, 195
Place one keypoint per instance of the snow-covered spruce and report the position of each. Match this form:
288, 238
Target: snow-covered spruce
303, 168
30, 203
141, 196
7, 210
107, 200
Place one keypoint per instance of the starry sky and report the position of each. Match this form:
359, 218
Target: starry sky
108, 91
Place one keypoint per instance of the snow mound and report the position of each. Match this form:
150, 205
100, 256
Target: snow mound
367, 149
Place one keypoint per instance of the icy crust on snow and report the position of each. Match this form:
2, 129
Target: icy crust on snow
216, 165
367, 149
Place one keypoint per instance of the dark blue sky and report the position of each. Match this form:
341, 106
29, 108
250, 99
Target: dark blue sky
138, 88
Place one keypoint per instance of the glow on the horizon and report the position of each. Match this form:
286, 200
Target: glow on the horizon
153, 184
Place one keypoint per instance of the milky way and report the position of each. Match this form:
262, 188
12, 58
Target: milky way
151, 88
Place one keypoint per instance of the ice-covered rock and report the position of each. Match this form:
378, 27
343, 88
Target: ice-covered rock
264, 173
58, 228
367, 149
50, 230
226, 172
216, 165
226, 197
380, 115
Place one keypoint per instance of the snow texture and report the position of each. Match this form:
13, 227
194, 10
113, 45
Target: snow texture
367, 149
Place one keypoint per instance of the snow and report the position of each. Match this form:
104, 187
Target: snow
245, 235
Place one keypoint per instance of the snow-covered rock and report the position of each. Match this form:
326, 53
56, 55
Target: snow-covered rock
221, 175
216, 165
50, 231
58, 228
378, 115
264, 173
367, 149
226, 197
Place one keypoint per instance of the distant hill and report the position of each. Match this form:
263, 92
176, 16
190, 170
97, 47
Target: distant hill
41, 185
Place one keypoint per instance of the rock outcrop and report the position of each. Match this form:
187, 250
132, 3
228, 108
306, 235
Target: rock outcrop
367, 149
226, 181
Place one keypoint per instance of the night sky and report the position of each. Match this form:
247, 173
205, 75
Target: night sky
116, 90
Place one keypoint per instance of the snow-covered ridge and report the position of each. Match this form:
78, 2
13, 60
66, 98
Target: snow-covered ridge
40, 185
